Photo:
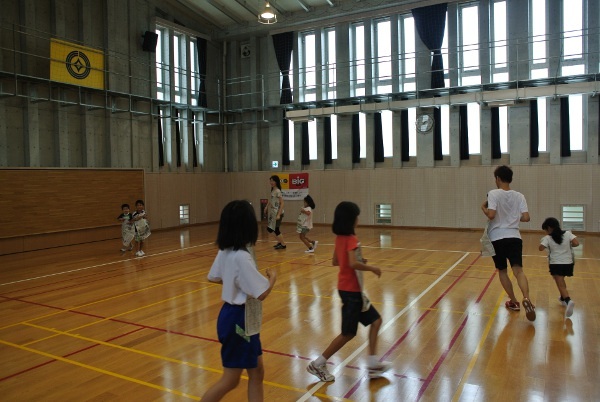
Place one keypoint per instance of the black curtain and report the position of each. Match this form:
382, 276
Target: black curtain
284, 44
195, 161
404, 135
327, 148
378, 157
305, 149
161, 158
534, 129
496, 151
430, 23
463, 134
178, 137
355, 138
202, 54
437, 134
285, 141
565, 129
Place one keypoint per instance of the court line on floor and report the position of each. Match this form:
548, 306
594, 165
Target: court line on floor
387, 325
101, 265
475, 356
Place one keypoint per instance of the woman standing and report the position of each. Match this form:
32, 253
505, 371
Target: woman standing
274, 211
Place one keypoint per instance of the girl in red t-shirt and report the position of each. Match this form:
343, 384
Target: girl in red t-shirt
356, 307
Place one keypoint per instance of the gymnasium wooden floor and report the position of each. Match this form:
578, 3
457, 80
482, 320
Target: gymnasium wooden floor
88, 323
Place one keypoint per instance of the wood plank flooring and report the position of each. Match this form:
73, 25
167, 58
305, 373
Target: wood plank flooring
89, 323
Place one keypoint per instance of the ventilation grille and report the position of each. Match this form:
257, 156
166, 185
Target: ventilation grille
573, 217
383, 214
184, 214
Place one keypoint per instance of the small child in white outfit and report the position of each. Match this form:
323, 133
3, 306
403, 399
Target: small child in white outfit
305, 224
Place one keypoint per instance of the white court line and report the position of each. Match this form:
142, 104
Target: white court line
99, 265
343, 364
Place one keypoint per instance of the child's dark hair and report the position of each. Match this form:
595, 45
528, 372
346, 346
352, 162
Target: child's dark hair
277, 181
125, 206
311, 203
238, 226
557, 232
139, 202
504, 173
344, 218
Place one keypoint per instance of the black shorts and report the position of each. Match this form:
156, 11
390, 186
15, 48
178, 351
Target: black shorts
561, 269
510, 249
351, 312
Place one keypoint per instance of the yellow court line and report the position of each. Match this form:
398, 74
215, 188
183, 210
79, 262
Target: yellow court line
484, 336
154, 356
118, 315
99, 301
99, 370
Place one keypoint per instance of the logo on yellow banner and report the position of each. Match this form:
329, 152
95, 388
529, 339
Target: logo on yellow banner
78, 65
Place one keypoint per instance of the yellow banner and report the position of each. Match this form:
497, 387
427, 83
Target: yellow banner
75, 64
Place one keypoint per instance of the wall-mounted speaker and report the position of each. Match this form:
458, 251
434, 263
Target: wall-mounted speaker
150, 40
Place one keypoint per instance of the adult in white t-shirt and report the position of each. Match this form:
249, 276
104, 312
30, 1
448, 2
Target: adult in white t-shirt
505, 208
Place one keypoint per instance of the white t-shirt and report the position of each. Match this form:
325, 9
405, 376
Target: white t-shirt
305, 220
559, 253
509, 205
237, 270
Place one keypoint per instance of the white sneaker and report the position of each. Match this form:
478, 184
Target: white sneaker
320, 372
570, 307
142, 253
315, 244
378, 370
310, 250
123, 249
138, 254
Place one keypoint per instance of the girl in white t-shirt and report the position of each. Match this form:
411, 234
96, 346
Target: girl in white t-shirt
305, 224
235, 268
559, 244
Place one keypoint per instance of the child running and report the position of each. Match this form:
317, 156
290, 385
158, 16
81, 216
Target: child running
274, 211
127, 229
305, 224
235, 268
355, 306
559, 244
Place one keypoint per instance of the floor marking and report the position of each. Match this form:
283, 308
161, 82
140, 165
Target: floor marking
388, 324
99, 370
484, 336
101, 265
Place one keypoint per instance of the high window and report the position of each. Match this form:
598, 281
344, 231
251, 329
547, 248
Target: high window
329, 81
407, 52
357, 70
500, 47
469, 71
539, 44
383, 57
308, 73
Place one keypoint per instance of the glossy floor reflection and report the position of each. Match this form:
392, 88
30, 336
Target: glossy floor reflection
91, 323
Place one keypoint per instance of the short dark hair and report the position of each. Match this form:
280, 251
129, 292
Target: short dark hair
310, 201
504, 173
277, 181
344, 218
124, 206
139, 202
237, 227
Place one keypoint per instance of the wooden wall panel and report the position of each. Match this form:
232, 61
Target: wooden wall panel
43, 201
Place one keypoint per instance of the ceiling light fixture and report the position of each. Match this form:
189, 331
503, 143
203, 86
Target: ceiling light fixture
268, 16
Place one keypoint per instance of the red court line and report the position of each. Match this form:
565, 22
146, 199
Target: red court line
67, 355
413, 326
